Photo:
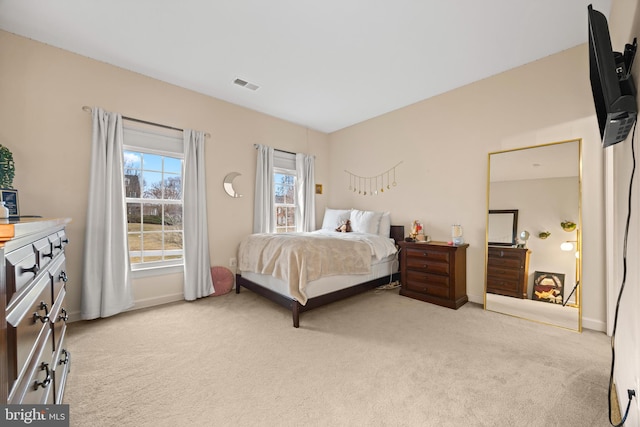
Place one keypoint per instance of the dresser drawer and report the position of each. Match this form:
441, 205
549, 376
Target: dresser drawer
58, 276
61, 367
427, 265
427, 254
507, 262
58, 319
36, 386
502, 286
503, 273
26, 320
430, 284
57, 244
22, 268
44, 252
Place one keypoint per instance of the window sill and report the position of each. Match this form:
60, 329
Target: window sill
140, 272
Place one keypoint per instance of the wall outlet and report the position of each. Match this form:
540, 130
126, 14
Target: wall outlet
233, 262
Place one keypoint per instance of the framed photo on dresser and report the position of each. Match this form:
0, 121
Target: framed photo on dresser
10, 198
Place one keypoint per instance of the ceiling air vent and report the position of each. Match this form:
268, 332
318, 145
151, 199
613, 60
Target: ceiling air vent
246, 84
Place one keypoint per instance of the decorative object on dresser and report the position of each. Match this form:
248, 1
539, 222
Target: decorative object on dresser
34, 361
10, 198
508, 271
434, 272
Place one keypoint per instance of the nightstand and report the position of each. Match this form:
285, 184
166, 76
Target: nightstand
434, 272
508, 271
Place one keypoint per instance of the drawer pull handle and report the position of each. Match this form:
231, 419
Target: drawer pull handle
58, 246
65, 241
64, 316
47, 380
63, 276
66, 358
33, 269
45, 318
49, 255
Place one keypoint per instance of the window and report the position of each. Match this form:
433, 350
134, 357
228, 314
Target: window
284, 190
153, 193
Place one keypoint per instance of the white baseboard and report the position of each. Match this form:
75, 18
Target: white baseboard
139, 304
159, 300
594, 324
475, 298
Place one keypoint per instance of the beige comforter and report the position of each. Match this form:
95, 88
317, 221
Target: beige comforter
299, 258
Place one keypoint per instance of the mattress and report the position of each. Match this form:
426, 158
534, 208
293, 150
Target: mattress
325, 285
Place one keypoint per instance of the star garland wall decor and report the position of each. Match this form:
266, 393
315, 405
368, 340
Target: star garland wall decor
373, 185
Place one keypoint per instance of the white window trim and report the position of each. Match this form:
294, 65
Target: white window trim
170, 143
149, 271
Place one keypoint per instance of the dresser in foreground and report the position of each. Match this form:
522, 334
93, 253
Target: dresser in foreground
34, 361
434, 272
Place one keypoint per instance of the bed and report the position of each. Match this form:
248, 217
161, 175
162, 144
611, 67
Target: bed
302, 271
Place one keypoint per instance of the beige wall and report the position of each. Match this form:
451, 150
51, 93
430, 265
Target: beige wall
443, 144
42, 122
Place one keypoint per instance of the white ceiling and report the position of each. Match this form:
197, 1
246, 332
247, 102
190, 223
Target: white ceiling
323, 64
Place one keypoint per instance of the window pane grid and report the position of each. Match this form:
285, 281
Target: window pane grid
153, 185
284, 184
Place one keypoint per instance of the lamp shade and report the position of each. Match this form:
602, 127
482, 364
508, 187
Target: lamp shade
566, 246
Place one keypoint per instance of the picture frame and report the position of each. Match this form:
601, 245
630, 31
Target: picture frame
548, 287
502, 227
10, 198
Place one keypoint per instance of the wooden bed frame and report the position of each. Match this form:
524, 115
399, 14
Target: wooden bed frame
397, 234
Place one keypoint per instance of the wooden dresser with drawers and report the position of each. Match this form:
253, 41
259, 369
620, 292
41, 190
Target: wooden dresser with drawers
434, 272
34, 361
508, 271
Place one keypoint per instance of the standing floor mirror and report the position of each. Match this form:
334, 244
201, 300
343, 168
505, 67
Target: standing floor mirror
533, 243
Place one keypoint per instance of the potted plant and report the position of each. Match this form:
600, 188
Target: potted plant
7, 168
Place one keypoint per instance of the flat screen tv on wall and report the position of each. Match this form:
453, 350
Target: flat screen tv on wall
614, 92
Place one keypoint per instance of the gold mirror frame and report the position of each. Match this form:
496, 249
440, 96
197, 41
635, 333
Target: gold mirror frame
527, 165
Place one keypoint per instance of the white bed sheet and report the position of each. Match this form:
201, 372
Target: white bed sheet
326, 285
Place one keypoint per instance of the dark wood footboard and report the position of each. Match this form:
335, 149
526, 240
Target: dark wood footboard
297, 308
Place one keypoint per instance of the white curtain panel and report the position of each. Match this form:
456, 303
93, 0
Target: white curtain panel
106, 284
305, 191
263, 216
197, 264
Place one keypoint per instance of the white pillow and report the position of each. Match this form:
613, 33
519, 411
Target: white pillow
365, 221
333, 218
384, 229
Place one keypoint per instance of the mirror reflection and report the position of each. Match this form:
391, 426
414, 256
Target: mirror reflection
533, 233
502, 227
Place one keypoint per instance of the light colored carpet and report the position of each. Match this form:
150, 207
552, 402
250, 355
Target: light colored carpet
377, 359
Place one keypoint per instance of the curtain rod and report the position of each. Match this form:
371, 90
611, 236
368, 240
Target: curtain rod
282, 151
88, 110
